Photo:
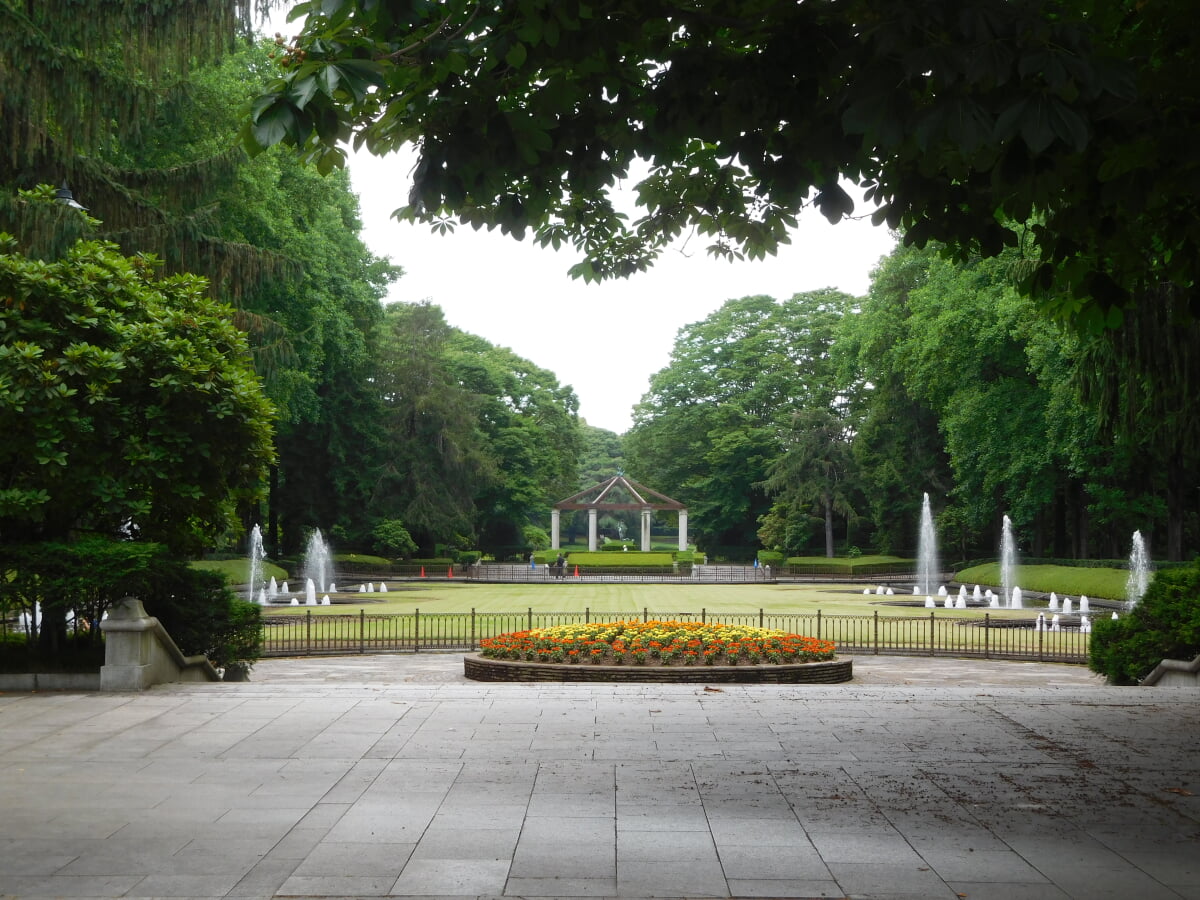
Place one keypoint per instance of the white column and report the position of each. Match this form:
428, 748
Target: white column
683, 543
646, 514
554, 520
592, 516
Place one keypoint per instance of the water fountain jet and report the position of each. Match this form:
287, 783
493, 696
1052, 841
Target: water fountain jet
928, 569
1139, 572
317, 561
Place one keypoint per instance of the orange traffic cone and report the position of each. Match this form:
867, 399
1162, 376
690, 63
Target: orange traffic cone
422, 571
450, 572
576, 571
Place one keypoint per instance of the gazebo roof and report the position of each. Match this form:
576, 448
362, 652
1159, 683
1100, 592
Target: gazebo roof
593, 497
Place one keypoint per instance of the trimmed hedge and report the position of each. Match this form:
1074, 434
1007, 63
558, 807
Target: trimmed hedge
1164, 625
632, 559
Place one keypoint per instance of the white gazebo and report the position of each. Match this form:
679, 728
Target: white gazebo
616, 494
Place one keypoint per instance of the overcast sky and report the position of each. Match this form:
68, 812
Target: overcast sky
604, 340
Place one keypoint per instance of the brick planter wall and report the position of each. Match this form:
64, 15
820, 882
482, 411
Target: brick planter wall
836, 671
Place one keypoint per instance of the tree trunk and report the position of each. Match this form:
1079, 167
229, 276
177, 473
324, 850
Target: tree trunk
829, 528
1176, 490
273, 513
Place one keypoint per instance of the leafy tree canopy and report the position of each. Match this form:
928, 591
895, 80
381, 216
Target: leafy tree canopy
127, 401
956, 118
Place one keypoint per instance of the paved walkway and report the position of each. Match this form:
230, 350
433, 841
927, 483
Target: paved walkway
391, 776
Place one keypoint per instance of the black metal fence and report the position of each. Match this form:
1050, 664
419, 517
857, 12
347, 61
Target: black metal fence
985, 637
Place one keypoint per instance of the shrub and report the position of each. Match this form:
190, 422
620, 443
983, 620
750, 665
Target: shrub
84, 579
770, 558
1165, 624
393, 539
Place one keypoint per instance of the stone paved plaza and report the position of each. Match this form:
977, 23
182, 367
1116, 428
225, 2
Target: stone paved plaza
392, 776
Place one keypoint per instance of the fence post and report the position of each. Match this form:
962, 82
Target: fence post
472, 628
932, 633
308, 630
760, 617
587, 615
987, 635
530, 619
645, 614
362, 631
818, 624
1041, 643
702, 612
416, 630
876, 640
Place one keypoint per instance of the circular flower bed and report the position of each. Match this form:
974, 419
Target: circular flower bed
657, 643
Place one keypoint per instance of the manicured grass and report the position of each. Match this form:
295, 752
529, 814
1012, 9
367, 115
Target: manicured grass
620, 600
236, 571
846, 562
1064, 580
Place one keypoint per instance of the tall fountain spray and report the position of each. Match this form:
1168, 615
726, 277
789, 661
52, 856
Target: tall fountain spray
317, 562
928, 566
256, 563
1008, 562
1139, 572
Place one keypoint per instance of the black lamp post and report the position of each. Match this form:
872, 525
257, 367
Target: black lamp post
64, 196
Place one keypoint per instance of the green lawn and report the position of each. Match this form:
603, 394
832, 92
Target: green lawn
626, 599
1070, 581
237, 571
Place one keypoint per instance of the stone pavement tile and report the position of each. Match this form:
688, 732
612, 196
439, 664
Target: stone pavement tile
635, 846
671, 878
68, 886
873, 848
336, 859
635, 816
216, 884
982, 890
452, 876
461, 814
995, 866
765, 833
782, 887
468, 843
337, 886
891, 881
792, 863
298, 843
568, 886
571, 805
379, 823
265, 879
118, 856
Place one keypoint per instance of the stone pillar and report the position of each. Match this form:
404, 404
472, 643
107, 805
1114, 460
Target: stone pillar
683, 541
647, 513
554, 521
592, 540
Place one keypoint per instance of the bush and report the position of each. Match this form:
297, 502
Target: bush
1165, 624
391, 538
770, 558
203, 616
84, 579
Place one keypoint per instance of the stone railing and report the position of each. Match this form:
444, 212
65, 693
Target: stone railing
1175, 673
138, 652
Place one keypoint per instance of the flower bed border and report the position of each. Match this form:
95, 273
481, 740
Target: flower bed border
834, 671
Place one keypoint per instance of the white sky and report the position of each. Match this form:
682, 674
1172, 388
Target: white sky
605, 340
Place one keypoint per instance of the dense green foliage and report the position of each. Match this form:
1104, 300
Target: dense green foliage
126, 401
1165, 624
74, 584
717, 418
956, 118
